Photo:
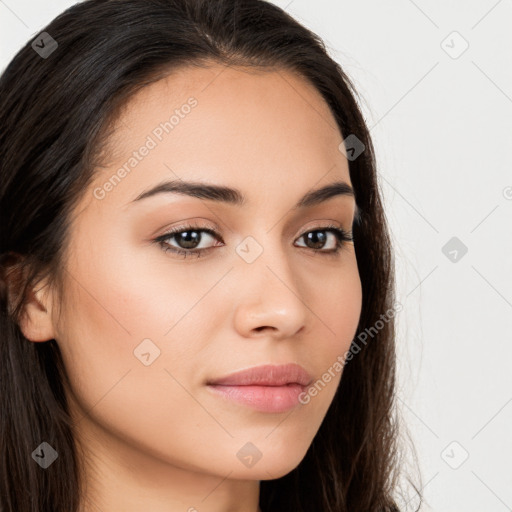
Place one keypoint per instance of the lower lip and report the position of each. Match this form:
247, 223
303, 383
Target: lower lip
263, 398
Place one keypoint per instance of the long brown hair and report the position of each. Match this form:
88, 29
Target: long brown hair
55, 112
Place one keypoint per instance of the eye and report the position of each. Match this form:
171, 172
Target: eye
189, 238
317, 238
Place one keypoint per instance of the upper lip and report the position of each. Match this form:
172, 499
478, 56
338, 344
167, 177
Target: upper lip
266, 375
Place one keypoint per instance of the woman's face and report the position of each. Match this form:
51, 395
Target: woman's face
143, 329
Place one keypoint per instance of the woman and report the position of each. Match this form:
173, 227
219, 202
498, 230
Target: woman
197, 280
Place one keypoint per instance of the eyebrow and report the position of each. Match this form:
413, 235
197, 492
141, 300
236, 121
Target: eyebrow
235, 197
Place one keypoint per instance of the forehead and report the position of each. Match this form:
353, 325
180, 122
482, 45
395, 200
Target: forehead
242, 127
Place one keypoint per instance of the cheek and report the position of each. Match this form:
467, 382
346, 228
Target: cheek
337, 309
345, 308
111, 311
338, 303
136, 291
119, 299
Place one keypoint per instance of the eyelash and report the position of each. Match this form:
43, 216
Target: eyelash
342, 237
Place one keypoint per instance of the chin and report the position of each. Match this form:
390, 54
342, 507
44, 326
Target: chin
272, 465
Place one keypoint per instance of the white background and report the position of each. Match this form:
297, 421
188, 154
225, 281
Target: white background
441, 121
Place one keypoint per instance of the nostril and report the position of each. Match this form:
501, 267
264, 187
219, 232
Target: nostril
263, 327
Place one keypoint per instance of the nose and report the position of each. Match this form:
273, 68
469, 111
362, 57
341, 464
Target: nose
269, 300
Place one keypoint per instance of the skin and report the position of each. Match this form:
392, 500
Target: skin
155, 437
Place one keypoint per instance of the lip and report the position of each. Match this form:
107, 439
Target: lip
266, 375
267, 388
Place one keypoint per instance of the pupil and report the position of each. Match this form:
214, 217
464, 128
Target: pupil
314, 237
189, 239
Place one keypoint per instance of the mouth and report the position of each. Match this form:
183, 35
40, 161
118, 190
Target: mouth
267, 388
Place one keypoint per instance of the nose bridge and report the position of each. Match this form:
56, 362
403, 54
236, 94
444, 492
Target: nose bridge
270, 293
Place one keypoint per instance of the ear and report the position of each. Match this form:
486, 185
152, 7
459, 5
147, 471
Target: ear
35, 320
